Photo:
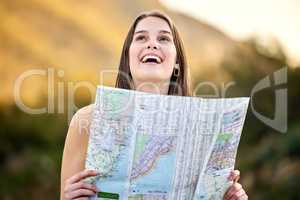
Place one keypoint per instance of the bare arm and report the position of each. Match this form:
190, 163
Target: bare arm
74, 155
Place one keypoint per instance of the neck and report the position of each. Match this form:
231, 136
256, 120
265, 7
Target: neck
151, 87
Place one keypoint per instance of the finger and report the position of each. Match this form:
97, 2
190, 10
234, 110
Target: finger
233, 192
237, 176
81, 185
234, 175
244, 197
232, 189
238, 195
80, 193
81, 175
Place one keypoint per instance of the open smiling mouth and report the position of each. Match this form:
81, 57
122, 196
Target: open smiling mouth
151, 59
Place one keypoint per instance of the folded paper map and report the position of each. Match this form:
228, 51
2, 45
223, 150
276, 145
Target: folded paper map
161, 147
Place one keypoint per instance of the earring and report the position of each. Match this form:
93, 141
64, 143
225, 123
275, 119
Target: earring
176, 71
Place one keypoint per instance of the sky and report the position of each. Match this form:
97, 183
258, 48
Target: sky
242, 19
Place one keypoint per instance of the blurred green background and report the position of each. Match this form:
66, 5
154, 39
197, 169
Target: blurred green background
81, 38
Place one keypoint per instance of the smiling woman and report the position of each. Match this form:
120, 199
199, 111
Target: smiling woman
154, 34
153, 61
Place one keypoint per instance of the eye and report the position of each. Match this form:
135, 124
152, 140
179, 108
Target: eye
164, 39
140, 37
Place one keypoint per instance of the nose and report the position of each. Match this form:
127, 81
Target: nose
152, 45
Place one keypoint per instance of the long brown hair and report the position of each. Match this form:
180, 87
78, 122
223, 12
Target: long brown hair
179, 85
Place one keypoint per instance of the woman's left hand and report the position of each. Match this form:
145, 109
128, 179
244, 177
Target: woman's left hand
236, 191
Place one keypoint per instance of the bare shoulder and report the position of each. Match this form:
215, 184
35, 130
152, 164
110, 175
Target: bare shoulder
77, 137
86, 110
81, 120
78, 132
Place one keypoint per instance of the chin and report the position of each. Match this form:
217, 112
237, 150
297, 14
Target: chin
151, 72
153, 79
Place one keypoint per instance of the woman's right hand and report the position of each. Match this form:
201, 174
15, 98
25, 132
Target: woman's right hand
76, 188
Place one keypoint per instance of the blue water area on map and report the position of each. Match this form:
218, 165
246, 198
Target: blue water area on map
117, 183
158, 179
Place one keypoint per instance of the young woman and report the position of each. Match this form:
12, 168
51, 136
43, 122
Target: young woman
152, 60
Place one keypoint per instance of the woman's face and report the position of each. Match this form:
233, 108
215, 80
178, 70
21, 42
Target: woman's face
152, 53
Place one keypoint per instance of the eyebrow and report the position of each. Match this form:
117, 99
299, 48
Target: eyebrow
161, 31
164, 31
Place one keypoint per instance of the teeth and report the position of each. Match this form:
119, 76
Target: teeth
158, 60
